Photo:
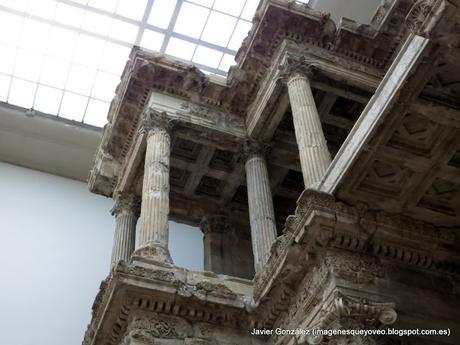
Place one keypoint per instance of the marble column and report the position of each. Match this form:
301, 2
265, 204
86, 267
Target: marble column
313, 152
153, 243
126, 212
217, 251
261, 213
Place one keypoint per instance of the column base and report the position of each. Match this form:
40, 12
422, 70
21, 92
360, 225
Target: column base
153, 253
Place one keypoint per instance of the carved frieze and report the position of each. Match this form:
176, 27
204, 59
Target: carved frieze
207, 288
148, 326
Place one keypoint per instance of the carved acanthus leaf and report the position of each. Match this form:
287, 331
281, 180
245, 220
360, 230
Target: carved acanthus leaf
206, 288
153, 120
126, 203
293, 66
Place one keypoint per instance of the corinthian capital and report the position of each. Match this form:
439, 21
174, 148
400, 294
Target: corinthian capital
255, 148
155, 120
127, 203
295, 66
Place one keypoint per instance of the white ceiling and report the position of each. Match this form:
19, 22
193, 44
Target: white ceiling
47, 144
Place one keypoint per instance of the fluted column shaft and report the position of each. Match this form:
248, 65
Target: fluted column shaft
261, 213
313, 152
154, 234
126, 212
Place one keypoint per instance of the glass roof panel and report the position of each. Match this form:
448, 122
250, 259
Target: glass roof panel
219, 28
47, 99
207, 3
73, 106
42, 8
207, 56
28, 65
68, 15
227, 61
106, 5
62, 43
35, 35
96, 113
7, 58
123, 31
96, 23
191, 20
249, 9
131, 9
77, 49
54, 72
152, 40
80, 79
4, 87
22, 93
241, 31
10, 28
89, 50
105, 85
233, 7
180, 48
161, 13
19, 5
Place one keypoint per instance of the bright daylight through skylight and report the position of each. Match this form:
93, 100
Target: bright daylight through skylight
65, 57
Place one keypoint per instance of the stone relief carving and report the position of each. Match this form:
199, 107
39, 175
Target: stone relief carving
153, 120
206, 288
418, 14
354, 267
346, 312
166, 276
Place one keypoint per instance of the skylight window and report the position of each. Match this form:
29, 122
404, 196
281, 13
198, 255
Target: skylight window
65, 57
131, 9
180, 48
22, 92
152, 40
207, 56
219, 28
47, 99
105, 5
54, 72
191, 20
73, 106
161, 13
233, 7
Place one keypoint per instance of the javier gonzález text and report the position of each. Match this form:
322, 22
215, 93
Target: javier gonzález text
280, 331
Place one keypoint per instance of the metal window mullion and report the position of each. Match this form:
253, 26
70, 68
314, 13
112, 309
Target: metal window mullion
204, 27
171, 24
65, 26
203, 43
234, 29
112, 15
142, 24
218, 11
15, 59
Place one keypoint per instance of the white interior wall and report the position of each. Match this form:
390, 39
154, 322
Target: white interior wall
55, 240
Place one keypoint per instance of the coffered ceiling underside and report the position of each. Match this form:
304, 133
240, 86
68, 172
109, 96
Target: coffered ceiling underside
412, 165
207, 171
